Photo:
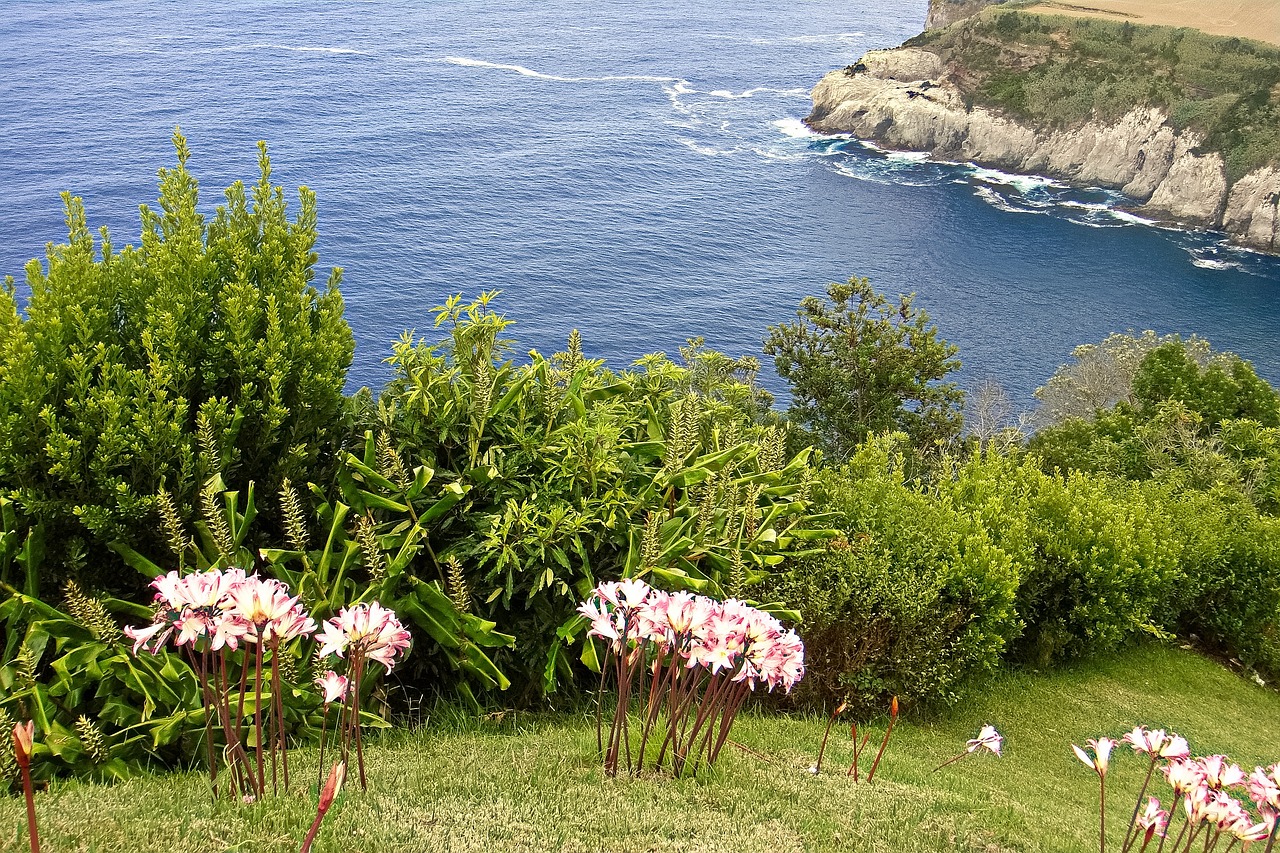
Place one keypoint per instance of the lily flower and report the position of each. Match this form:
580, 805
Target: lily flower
1219, 774
1154, 821
1102, 754
24, 735
333, 686
988, 738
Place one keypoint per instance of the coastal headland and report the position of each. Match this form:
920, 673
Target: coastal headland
1183, 121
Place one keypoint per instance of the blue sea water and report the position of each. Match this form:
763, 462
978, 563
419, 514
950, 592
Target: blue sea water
636, 170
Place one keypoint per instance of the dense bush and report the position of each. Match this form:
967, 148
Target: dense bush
994, 558
911, 601
567, 473
1189, 416
203, 350
1093, 563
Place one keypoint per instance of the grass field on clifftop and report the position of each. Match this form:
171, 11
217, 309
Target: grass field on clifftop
1059, 71
1250, 19
531, 782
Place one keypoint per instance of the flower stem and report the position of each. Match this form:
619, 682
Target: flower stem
1130, 836
822, 749
951, 761
1102, 813
884, 743
257, 712
364, 785
33, 832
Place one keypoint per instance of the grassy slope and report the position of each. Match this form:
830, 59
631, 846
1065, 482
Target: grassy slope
531, 783
1059, 71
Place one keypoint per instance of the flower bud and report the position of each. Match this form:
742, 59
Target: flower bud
332, 786
23, 737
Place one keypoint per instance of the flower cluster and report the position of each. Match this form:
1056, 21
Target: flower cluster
359, 634
369, 630
224, 608
1203, 786
692, 661
722, 637
213, 615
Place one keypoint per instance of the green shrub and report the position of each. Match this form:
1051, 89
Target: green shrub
914, 599
205, 349
567, 473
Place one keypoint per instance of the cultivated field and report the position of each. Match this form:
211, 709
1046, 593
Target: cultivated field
1253, 19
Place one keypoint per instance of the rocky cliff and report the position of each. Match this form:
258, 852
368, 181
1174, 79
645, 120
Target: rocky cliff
944, 13
905, 99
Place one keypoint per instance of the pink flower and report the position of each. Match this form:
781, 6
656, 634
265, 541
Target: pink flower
1102, 751
334, 686
269, 610
1263, 786
1145, 740
988, 738
370, 629
1154, 821
1218, 774
1185, 776
1175, 749
143, 636
24, 735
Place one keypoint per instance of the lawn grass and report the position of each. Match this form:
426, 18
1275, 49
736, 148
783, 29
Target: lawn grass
531, 782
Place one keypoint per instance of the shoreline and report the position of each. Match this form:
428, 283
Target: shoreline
919, 97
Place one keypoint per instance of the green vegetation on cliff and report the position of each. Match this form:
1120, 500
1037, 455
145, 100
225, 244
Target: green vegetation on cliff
1059, 71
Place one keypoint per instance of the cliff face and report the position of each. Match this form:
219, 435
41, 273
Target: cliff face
944, 13
902, 98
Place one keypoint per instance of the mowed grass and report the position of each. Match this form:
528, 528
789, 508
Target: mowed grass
531, 782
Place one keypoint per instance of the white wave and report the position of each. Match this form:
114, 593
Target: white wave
999, 202
1126, 216
795, 128
785, 156
1211, 264
1093, 224
1022, 183
706, 150
1086, 205
681, 86
907, 156
883, 172
725, 93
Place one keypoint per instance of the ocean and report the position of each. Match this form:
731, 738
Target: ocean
635, 170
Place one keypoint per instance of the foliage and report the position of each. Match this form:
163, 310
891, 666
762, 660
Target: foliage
858, 365
101, 713
203, 350
1191, 416
1063, 71
912, 601
567, 473
1102, 375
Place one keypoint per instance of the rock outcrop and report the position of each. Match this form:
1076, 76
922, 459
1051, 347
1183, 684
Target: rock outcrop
944, 13
903, 99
